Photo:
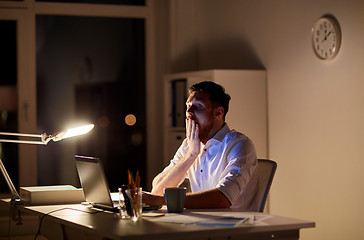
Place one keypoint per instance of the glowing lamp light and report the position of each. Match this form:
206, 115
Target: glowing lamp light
72, 132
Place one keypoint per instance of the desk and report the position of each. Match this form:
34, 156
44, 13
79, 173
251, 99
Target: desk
80, 222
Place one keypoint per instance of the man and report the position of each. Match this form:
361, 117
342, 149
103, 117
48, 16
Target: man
220, 163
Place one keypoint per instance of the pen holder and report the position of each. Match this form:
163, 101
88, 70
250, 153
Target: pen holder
134, 196
122, 204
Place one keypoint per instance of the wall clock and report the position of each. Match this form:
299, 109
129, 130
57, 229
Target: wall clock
326, 37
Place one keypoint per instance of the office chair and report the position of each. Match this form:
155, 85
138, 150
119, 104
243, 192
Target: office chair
266, 171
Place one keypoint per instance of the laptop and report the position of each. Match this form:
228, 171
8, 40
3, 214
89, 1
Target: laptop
95, 186
94, 183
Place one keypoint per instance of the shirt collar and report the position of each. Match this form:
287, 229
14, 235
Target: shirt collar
219, 136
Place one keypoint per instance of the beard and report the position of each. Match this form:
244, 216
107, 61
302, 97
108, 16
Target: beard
205, 131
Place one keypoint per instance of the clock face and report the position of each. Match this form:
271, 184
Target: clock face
326, 38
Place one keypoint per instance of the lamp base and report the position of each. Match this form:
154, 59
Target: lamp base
59, 194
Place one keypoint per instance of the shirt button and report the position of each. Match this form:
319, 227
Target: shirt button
201, 170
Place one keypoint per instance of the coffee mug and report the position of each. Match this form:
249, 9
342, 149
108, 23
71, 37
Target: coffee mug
175, 199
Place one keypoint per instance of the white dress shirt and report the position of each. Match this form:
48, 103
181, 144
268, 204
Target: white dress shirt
227, 162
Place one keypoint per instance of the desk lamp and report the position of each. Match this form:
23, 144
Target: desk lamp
43, 140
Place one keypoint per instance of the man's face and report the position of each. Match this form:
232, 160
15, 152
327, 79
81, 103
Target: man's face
201, 110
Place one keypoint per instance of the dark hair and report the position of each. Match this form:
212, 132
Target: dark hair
218, 97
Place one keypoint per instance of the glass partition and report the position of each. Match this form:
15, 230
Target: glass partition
8, 98
91, 69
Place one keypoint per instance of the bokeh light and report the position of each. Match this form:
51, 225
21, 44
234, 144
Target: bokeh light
130, 119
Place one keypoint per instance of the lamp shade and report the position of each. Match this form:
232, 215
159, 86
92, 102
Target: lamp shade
72, 132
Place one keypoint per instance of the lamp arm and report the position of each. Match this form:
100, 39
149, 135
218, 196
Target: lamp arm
14, 193
44, 138
20, 134
22, 141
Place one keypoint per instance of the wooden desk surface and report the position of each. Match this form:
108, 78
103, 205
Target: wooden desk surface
109, 225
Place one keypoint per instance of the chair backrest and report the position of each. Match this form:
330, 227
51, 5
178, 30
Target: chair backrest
266, 171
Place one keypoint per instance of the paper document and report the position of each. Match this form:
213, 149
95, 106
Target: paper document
224, 221
229, 219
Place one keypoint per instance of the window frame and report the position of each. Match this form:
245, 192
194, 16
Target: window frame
25, 13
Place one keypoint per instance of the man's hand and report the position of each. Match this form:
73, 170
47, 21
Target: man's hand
152, 199
175, 175
212, 198
192, 136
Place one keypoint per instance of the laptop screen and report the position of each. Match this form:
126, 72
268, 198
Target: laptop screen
93, 180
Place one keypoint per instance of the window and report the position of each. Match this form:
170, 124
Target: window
91, 70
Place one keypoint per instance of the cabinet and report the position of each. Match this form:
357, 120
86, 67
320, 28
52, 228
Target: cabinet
247, 110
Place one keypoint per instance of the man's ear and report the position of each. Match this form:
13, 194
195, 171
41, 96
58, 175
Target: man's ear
219, 112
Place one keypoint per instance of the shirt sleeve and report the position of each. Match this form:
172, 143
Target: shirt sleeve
178, 155
242, 162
